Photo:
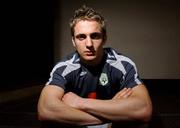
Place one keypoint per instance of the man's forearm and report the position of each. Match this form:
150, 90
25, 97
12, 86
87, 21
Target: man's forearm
126, 105
52, 108
115, 110
135, 107
68, 115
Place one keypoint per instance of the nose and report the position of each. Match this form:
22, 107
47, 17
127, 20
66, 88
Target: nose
89, 42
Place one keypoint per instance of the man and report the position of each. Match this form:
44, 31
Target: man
94, 85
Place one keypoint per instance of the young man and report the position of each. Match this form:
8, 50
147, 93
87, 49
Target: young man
93, 85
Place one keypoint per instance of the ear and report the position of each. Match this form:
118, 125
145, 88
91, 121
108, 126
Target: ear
73, 41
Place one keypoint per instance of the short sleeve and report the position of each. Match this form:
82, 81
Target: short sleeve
56, 78
131, 77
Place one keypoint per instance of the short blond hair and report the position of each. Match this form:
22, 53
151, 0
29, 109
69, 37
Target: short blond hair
88, 13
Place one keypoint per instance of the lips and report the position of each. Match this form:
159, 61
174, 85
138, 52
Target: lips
89, 53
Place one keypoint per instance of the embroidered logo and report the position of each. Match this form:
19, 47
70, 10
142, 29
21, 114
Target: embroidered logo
103, 80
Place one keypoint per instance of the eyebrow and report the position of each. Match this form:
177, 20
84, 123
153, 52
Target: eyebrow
94, 33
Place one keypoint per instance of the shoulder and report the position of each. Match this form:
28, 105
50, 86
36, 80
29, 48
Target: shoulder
68, 63
117, 57
71, 58
119, 61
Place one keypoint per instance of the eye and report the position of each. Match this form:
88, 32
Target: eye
81, 37
96, 36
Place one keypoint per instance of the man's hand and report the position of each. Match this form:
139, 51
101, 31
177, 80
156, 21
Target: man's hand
126, 92
72, 100
76, 101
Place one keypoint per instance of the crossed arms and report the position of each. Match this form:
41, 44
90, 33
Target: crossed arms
127, 105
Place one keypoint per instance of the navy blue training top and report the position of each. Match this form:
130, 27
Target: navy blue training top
115, 72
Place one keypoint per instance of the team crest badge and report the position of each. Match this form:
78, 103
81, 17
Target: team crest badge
103, 80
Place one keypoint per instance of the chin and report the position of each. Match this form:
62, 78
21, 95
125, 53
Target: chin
89, 58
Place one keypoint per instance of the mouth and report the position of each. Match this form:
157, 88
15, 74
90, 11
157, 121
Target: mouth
89, 53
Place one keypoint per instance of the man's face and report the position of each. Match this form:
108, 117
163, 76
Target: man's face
88, 41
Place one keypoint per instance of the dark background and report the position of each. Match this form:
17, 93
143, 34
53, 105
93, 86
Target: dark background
26, 42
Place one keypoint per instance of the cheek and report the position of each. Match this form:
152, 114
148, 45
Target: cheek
76, 44
79, 46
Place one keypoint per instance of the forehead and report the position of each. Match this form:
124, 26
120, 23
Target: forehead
86, 27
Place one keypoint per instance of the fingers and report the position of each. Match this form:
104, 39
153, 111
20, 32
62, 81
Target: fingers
126, 92
72, 100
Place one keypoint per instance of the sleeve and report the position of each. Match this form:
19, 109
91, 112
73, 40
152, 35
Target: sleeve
56, 77
131, 77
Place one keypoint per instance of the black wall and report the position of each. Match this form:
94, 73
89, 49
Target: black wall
26, 43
